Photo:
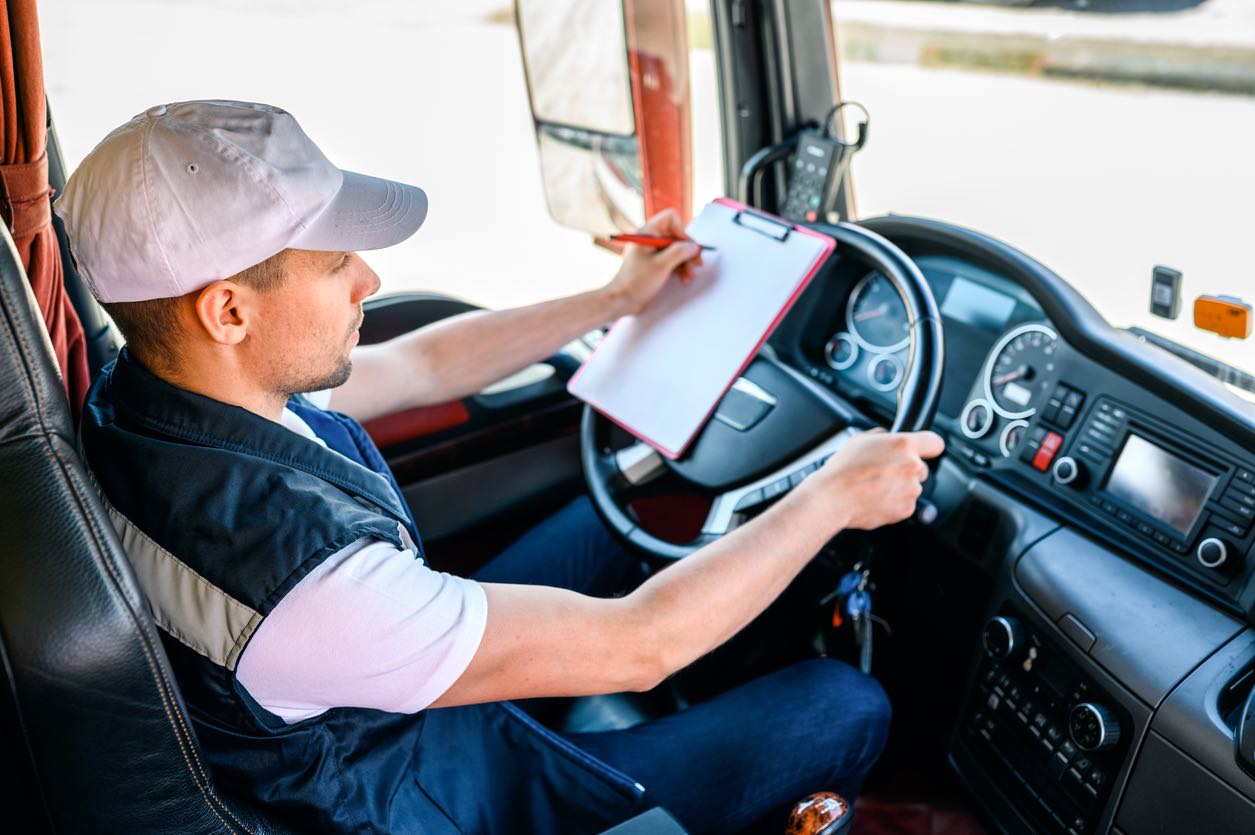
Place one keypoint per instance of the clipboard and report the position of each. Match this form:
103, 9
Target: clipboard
661, 373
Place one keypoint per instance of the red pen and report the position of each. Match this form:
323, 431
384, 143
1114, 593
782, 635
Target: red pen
656, 241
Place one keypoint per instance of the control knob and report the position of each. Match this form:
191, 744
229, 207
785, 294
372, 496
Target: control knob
1212, 552
1093, 727
1002, 637
1069, 472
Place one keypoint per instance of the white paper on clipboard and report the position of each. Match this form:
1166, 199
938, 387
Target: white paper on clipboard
661, 373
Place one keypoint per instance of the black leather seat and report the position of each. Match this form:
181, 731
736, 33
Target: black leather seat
93, 733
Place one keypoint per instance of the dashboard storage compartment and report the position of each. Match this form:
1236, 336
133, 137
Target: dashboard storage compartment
1148, 634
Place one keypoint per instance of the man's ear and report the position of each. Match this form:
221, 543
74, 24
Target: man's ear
224, 311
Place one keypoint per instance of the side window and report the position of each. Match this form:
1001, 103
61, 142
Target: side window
704, 107
427, 93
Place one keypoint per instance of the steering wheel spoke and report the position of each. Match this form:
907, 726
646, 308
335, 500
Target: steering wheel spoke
727, 509
638, 465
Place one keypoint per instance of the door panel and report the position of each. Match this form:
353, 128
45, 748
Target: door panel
498, 457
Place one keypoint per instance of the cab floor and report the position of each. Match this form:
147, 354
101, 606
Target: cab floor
877, 816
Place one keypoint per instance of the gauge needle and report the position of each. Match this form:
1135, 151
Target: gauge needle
874, 313
1011, 375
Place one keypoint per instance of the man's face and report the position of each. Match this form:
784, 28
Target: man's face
307, 325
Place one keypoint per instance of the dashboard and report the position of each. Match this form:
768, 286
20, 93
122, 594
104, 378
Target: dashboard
1110, 489
1029, 411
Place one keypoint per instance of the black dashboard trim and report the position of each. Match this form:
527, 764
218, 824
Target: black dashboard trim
1081, 324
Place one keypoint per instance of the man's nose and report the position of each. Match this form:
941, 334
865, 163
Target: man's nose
367, 283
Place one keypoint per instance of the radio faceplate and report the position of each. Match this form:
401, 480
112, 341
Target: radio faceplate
1153, 484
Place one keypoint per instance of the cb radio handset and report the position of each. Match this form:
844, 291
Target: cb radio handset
818, 168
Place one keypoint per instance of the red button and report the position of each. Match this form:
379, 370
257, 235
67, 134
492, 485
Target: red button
1046, 452
811, 216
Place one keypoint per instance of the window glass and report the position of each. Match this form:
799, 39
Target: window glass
704, 107
428, 93
1101, 137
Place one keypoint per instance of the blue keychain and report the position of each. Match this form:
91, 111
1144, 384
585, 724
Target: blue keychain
859, 608
848, 584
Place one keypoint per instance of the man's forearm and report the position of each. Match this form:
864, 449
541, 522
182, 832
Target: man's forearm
703, 600
470, 351
455, 357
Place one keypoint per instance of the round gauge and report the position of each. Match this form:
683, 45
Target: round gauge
976, 420
1017, 367
1011, 437
876, 316
841, 351
885, 372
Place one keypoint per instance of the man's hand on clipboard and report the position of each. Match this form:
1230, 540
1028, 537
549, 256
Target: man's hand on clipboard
646, 269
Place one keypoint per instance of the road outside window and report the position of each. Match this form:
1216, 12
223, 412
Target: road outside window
1103, 138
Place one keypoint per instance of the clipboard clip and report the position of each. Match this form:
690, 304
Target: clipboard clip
762, 224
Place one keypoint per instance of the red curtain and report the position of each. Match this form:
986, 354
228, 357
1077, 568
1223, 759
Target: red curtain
24, 192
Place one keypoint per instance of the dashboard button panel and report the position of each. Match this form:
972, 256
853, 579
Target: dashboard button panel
1020, 720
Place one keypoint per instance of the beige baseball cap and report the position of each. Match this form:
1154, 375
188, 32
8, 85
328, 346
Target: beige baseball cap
185, 194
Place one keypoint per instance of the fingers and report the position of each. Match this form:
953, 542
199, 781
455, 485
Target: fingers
679, 254
926, 444
667, 222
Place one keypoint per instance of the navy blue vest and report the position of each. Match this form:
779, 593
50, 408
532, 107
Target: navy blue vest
223, 512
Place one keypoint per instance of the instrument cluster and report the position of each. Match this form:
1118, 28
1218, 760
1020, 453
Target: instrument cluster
873, 345
994, 332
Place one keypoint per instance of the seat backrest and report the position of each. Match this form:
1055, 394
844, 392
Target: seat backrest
93, 723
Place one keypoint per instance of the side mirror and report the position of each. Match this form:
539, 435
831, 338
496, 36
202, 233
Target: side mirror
608, 84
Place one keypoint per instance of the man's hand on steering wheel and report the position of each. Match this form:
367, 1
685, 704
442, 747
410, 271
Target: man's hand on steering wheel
645, 269
875, 478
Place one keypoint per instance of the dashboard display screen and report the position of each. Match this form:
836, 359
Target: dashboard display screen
1160, 484
977, 305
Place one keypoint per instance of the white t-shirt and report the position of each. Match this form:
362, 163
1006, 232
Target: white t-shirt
372, 626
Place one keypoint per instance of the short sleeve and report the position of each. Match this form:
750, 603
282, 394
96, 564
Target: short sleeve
371, 627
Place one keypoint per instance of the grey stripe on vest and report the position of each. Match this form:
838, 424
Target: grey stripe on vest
185, 604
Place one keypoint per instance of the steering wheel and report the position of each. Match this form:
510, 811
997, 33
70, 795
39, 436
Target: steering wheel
773, 427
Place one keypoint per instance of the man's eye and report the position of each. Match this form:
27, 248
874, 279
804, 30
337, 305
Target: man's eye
344, 262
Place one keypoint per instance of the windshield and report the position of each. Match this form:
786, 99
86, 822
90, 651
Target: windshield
1102, 138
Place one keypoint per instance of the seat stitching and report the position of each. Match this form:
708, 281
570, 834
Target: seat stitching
24, 351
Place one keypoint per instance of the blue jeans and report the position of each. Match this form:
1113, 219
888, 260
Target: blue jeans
725, 763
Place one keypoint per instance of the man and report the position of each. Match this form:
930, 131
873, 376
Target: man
334, 678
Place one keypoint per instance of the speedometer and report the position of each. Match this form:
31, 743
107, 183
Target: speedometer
876, 317
1018, 371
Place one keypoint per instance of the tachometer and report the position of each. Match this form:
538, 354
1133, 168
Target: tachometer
1017, 372
876, 317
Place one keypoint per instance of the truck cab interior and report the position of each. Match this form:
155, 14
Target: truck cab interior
1064, 628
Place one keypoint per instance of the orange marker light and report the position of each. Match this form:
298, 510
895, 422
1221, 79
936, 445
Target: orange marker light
1224, 315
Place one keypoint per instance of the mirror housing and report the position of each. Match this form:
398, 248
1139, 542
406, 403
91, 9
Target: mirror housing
608, 84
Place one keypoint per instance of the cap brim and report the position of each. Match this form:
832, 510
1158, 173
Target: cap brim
366, 213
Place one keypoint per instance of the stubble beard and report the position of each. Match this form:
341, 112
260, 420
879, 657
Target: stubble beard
301, 383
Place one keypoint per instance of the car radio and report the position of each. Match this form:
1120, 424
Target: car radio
1154, 483
1049, 735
